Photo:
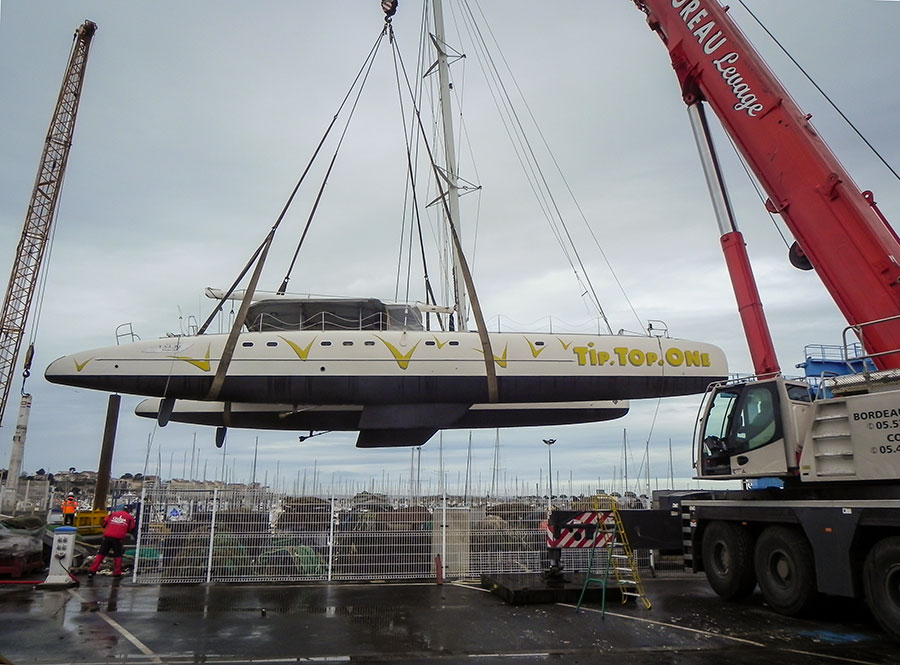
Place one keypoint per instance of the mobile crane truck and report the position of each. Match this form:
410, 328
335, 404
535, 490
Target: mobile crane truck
834, 526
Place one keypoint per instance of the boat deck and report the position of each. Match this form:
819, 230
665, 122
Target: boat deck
106, 621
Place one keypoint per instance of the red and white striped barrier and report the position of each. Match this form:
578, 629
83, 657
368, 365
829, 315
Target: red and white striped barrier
569, 528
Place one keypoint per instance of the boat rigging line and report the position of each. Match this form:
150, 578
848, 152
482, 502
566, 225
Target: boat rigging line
803, 262
263, 250
490, 369
821, 91
411, 191
529, 162
259, 256
364, 69
367, 68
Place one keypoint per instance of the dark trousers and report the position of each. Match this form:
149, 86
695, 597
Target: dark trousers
112, 547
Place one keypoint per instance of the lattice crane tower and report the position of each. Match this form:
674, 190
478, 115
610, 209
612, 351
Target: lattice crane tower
41, 211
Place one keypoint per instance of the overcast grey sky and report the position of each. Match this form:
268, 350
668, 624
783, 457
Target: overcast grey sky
197, 118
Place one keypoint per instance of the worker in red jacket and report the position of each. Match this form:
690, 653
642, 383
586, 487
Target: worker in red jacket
116, 527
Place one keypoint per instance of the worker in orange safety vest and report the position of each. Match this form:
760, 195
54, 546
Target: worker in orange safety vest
69, 507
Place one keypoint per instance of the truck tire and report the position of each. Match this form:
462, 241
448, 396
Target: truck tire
728, 560
881, 580
785, 570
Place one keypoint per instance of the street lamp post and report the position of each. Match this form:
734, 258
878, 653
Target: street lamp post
549, 443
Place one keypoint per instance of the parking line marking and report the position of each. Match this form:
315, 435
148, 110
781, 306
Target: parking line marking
824, 655
143, 648
669, 625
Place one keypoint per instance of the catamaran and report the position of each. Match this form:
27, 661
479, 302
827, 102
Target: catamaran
378, 368
300, 365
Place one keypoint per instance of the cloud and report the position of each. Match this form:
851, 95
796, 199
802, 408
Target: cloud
197, 119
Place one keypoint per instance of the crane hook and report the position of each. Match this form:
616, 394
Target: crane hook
389, 7
29, 356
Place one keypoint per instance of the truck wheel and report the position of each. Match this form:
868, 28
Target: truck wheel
728, 560
785, 570
881, 579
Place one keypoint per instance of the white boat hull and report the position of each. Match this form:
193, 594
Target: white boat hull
390, 367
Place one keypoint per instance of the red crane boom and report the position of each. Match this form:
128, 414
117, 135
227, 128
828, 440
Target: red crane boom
838, 228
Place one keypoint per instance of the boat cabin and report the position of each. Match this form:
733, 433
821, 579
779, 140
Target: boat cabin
281, 314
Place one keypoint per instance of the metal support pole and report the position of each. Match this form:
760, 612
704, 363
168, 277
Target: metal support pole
106, 452
331, 537
549, 443
10, 493
444, 534
137, 544
212, 534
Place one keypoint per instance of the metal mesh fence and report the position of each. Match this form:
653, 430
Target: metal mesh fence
240, 535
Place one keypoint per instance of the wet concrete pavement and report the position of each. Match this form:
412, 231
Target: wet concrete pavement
108, 621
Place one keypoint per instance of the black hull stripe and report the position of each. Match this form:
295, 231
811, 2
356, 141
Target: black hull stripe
400, 390
349, 421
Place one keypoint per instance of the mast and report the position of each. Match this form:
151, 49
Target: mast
647, 453
671, 469
449, 172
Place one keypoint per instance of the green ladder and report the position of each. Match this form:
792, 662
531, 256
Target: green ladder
602, 581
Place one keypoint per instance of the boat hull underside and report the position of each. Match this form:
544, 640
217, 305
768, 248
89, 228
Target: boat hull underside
398, 389
348, 418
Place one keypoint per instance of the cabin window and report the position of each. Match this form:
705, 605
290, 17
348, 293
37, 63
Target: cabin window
271, 343
539, 343
325, 342
369, 342
347, 343
740, 418
247, 344
429, 342
757, 422
454, 342
798, 393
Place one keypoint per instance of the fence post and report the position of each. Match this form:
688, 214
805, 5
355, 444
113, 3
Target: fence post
444, 534
212, 534
331, 537
137, 544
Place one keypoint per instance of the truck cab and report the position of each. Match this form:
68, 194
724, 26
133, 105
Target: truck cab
749, 428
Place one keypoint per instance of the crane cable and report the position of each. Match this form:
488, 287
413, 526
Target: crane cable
762, 197
493, 392
412, 195
364, 72
262, 252
227, 294
821, 91
528, 160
